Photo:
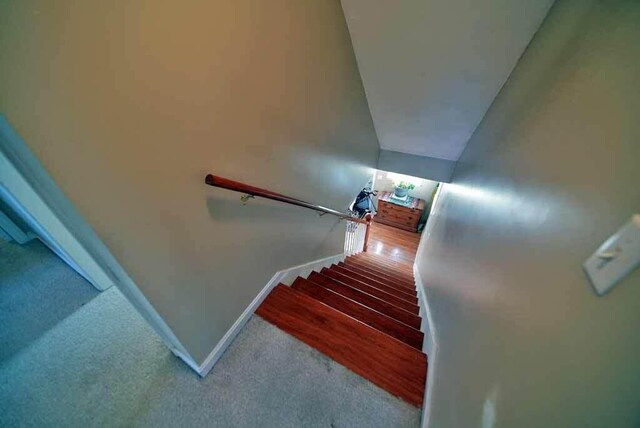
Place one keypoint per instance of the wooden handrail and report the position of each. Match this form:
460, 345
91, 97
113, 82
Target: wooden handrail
225, 183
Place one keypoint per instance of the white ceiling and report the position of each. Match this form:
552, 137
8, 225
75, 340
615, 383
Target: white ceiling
431, 68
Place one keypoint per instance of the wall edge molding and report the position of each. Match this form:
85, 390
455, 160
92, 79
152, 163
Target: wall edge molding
285, 276
432, 355
28, 172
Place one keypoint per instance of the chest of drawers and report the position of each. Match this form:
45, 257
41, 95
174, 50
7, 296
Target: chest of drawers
399, 216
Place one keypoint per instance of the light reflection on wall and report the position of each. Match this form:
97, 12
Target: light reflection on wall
489, 409
525, 209
478, 194
397, 178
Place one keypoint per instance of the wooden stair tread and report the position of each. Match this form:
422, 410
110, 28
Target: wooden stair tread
404, 295
402, 279
383, 295
379, 268
398, 266
375, 319
373, 302
390, 270
386, 362
397, 279
394, 283
380, 261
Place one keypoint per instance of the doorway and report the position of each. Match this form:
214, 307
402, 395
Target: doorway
33, 195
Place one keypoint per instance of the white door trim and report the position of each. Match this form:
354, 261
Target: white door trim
13, 231
23, 177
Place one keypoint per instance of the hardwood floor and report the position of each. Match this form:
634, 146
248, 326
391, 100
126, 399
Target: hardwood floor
354, 309
385, 361
373, 302
362, 312
393, 244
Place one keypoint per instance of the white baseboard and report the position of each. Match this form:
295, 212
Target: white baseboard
429, 347
426, 326
285, 276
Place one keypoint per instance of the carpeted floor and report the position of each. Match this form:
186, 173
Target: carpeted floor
102, 365
37, 290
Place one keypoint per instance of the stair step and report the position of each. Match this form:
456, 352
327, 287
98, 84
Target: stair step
382, 268
396, 265
385, 279
393, 290
366, 299
393, 366
354, 283
387, 259
380, 272
367, 264
375, 319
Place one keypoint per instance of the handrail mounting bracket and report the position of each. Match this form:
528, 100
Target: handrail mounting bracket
245, 198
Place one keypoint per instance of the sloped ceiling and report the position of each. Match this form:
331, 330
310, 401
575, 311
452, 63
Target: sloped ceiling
431, 68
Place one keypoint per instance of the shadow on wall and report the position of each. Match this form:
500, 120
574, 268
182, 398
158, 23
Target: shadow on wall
227, 208
233, 210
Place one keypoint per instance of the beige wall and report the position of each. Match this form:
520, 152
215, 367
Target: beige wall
416, 166
551, 172
130, 104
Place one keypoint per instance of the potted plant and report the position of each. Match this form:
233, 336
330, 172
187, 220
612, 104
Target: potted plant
403, 188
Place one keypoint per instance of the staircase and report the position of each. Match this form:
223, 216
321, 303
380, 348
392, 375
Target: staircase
364, 314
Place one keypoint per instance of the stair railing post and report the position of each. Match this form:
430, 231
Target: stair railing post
368, 218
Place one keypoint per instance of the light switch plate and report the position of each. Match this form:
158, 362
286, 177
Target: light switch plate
616, 258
